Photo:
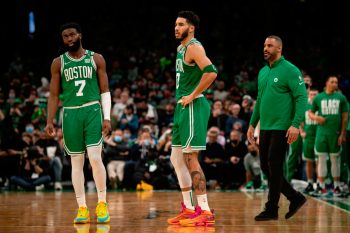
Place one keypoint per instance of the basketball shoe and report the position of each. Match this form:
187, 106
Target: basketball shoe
184, 214
319, 192
199, 218
83, 215
337, 192
102, 212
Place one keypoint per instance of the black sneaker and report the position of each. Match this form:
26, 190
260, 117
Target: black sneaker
319, 192
267, 215
309, 188
295, 205
337, 192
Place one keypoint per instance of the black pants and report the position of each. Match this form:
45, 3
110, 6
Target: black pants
273, 148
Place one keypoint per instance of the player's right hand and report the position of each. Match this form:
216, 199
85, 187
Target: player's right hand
321, 120
250, 135
50, 130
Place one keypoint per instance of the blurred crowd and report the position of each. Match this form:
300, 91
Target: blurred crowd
137, 152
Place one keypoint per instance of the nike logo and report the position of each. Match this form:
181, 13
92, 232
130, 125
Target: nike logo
96, 109
66, 63
301, 83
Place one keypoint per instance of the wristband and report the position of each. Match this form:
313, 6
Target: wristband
106, 105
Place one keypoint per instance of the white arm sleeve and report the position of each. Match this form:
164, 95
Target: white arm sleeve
106, 105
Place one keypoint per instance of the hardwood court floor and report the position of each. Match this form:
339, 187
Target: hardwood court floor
37, 212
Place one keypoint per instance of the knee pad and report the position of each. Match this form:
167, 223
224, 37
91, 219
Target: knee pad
95, 153
182, 173
335, 165
322, 165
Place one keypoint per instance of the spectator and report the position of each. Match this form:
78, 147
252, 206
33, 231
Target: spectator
218, 117
129, 120
33, 170
52, 154
118, 108
212, 160
254, 176
116, 153
246, 110
220, 93
235, 150
233, 118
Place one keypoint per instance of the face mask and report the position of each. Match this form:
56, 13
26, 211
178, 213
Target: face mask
234, 141
117, 138
29, 129
146, 142
126, 135
254, 153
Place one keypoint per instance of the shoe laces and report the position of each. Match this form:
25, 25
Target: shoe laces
197, 212
101, 209
82, 211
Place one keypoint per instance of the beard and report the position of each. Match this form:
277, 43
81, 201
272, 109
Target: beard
270, 57
183, 36
76, 45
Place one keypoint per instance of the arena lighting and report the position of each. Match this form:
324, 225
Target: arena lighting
31, 22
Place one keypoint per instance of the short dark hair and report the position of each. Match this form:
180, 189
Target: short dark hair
130, 107
277, 38
70, 25
191, 17
332, 76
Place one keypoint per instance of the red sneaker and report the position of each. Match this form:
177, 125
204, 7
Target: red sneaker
199, 218
184, 214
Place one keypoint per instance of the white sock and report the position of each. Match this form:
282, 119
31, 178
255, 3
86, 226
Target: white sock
188, 199
310, 181
203, 202
98, 172
77, 162
101, 195
81, 201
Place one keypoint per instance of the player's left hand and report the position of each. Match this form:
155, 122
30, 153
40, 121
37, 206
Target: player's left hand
186, 100
106, 128
341, 139
292, 134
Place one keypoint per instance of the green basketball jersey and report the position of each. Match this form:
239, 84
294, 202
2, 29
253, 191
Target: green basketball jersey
310, 126
79, 80
331, 108
187, 75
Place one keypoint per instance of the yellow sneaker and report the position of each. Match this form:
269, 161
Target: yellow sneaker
199, 218
83, 215
82, 228
184, 214
144, 186
102, 212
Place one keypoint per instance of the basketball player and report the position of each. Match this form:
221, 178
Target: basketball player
332, 118
194, 74
308, 132
80, 75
